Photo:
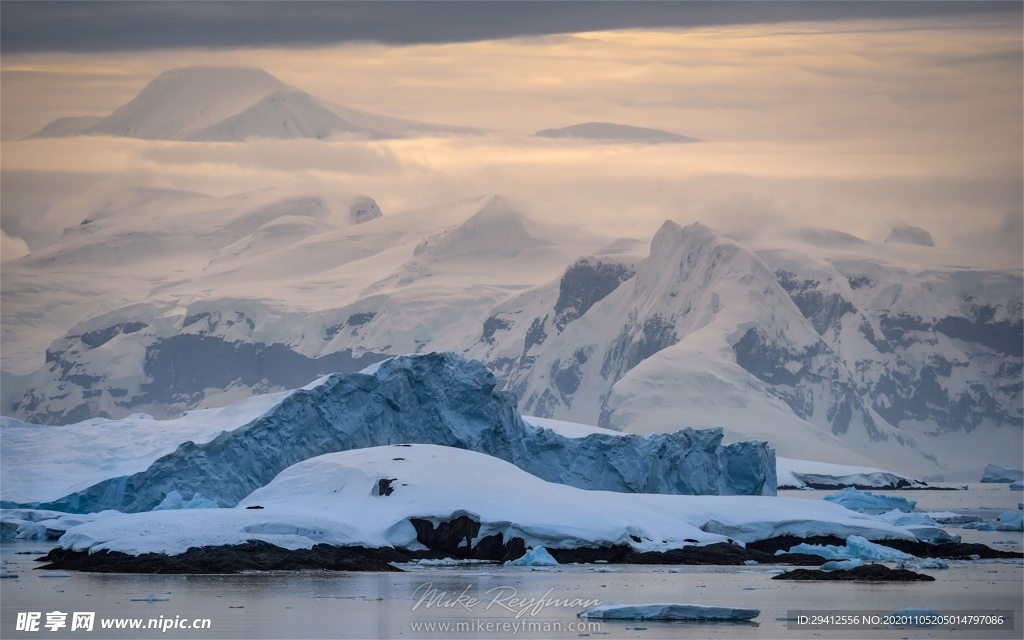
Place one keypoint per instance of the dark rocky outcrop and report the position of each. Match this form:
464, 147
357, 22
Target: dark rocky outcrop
865, 573
250, 556
457, 538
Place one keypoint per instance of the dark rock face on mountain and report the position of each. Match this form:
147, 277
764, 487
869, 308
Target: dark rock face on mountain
957, 369
179, 369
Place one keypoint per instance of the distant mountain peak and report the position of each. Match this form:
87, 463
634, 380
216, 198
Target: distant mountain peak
498, 228
613, 132
210, 103
695, 230
231, 78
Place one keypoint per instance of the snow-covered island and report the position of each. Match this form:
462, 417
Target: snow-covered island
807, 474
612, 132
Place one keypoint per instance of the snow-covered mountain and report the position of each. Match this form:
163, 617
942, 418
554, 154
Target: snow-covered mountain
829, 347
935, 351
206, 317
612, 132
220, 104
135, 244
702, 334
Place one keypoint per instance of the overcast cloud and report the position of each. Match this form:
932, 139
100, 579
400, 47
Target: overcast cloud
125, 26
831, 120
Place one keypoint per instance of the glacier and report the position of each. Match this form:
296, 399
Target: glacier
437, 398
173, 500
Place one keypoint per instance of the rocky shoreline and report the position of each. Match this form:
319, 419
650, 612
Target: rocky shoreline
262, 556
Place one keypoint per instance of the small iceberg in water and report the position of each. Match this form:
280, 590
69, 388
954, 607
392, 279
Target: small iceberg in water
151, 598
1011, 521
667, 611
867, 502
536, 557
856, 547
841, 565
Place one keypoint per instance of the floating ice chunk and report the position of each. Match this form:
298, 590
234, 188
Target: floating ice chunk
31, 531
859, 547
750, 563
677, 570
948, 517
1017, 486
602, 570
841, 565
922, 525
903, 519
998, 473
438, 562
151, 598
934, 535
1011, 521
55, 574
174, 500
830, 552
980, 526
856, 547
933, 563
666, 611
536, 557
867, 502
3, 571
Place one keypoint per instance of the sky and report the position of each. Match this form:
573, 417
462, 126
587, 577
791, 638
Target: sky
855, 116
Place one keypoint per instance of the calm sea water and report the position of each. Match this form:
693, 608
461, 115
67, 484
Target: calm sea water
482, 601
